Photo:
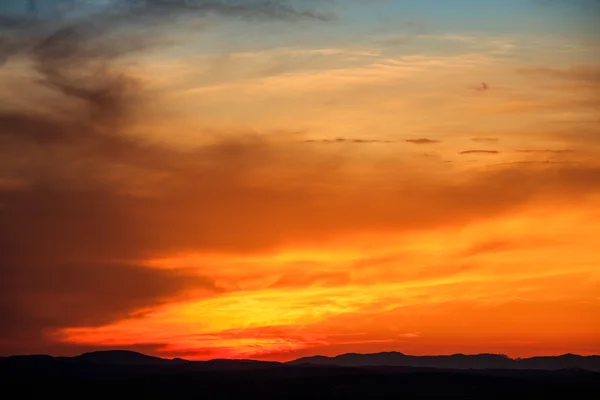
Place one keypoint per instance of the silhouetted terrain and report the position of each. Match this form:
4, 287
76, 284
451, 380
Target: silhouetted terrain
115, 373
457, 361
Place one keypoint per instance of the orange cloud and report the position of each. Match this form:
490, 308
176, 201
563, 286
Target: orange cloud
251, 243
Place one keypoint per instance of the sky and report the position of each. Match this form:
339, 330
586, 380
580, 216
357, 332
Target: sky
278, 179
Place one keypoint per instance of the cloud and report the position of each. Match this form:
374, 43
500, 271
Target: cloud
85, 201
71, 241
556, 151
583, 73
532, 162
38, 296
371, 141
479, 152
583, 5
410, 335
112, 198
499, 245
484, 140
483, 87
414, 30
422, 141
21, 31
344, 140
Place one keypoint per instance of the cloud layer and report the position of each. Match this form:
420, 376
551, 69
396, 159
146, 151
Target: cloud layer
98, 216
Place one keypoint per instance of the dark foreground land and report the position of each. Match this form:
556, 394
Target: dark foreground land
82, 378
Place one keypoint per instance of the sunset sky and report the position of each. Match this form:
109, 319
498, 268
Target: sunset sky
277, 179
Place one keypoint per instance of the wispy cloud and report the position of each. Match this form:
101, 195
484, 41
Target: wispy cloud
344, 140
248, 241
585, 73
485, 140
422, 141
555, 151
479, 152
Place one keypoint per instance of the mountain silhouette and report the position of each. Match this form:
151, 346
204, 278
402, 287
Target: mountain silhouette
120, 360
456, 361
383, 359
348, 376
125, 357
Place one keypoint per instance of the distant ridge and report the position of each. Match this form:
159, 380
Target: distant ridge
106, 374
125, 357
132, 359
456, 361
385, 359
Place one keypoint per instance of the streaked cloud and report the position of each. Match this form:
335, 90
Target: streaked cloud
485, 140
585, 73
422, 141
479, 152
237, 185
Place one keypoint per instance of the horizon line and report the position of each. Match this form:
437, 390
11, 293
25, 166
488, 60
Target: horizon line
300, 358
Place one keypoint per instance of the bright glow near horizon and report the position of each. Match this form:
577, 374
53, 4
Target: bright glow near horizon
421, 177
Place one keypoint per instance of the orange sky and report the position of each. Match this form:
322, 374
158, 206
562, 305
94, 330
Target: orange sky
210, 197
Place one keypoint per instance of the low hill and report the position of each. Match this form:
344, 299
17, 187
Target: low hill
456, 361
385, 359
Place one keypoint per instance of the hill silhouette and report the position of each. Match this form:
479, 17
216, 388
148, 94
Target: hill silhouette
125, 357
383, 359
348, 376
457, 361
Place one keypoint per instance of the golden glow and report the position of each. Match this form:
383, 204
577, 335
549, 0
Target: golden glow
489, 280
318, 198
